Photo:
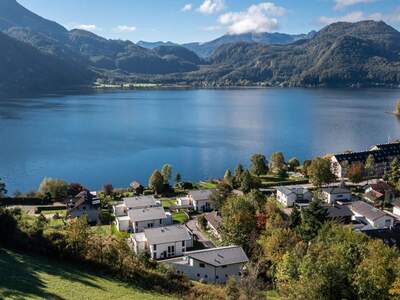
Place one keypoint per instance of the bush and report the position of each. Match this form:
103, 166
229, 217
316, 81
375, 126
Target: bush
57, 188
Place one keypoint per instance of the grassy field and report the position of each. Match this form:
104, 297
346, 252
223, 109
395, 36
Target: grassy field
179, 217
167, 203
28, 277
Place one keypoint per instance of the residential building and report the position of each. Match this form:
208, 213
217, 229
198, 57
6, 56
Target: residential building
214, 221
396, 207
163, 242
371, 217
137, 187
214, 265
139, 219
289, 195
200, 200
85, 203
340, 213
378, 192
383, 156
331, 195
127, 204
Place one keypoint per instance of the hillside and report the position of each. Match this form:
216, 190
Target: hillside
25, 68
207, 49
30, 277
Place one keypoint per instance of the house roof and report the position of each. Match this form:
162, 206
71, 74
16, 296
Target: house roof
168, 234
221, 256
200, 194
84, 197
288, 190
139, 202
135, 185
336, 190
339, 211
144, 214
366, 210
214, 219
388, 146
373, 195
381, 187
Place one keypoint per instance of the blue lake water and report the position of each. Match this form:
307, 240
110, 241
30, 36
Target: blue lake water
122, 136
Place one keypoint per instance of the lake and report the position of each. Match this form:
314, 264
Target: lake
121, 136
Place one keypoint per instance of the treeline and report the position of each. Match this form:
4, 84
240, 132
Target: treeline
109, 255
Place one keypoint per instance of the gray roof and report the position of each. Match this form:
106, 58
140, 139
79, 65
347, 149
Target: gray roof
144, 214
339, 211
221, 256
214, 219
336, 190
139, 202
200, 194
288, 190
366, 210
168, 234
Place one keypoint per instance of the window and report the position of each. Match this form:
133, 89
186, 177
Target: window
183, 243
223, 267
154, 247
160, 221
217, 277
198, 275
206, 276
201, 265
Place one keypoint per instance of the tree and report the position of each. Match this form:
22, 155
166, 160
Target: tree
258, 199
220, 194
370, 165
306, 167
3, 190
312, 219
156, 182
393, 175
178, 178
238, 222
259, 164
108, 189
228, 178
166, 172
246, 182
57, 188
237, 180
231, 289
295, 218
355, 172
77, 235
277, 162
293, 163
320, 172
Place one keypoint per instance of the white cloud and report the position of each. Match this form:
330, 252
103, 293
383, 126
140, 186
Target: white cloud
187, 7
344, 3
125, 28
257, 18
211, 28
212, 6
357, 16
88, 27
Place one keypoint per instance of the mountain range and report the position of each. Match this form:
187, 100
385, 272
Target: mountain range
40, 54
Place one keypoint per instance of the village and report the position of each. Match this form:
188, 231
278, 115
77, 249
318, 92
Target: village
186, 232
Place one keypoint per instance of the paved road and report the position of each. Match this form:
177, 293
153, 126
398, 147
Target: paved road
201, 237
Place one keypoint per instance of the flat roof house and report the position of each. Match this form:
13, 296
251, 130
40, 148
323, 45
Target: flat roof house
289, 195
372, 217
122, 209
214, 265
383, 156
139, 219
333, 194
163, 242
200, 200
86, 204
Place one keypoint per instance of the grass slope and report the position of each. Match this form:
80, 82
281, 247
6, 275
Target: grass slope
29, 277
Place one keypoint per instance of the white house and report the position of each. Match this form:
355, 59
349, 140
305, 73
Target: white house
163, 242
289, 195
121, 209
139, 219
200, 200
214, 265
396, 207
370, 216
333, 194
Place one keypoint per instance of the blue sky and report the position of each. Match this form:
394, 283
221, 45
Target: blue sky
203, 20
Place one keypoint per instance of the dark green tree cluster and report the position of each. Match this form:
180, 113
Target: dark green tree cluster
3, 190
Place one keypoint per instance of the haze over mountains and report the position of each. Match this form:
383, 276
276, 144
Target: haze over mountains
40, 54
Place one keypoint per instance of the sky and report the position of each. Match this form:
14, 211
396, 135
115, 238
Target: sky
183, 21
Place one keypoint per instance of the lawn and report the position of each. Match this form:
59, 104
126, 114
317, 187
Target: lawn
30, 277
179, 217
206, 185
167, 203
61, 212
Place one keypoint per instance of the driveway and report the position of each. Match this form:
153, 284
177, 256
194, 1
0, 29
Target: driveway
201, 237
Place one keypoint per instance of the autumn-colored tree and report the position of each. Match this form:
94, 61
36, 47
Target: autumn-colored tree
356, 172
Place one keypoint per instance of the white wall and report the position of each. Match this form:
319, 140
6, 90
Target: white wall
381, 222
333, 198
122, 224
161, 248
200, 205
92, 214
286, 201
396, 210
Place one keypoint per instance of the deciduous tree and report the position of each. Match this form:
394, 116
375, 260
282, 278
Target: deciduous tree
320, 172
156, 182
166, 172
57, 188
3, 190
355, 172
293, 163
277, 163
259, 164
